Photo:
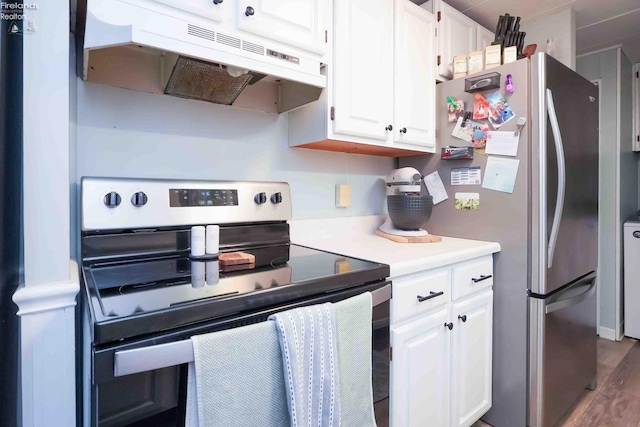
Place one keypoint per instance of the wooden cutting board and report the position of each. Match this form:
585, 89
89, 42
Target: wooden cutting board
235, 258
429, 238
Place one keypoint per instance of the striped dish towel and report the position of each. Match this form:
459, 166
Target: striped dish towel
308, 342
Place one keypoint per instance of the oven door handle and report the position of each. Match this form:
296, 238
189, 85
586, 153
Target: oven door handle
381, 295
137, 360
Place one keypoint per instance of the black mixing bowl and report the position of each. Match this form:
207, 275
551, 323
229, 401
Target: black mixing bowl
409, 211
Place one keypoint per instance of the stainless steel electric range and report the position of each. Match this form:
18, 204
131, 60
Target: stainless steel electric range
144, 292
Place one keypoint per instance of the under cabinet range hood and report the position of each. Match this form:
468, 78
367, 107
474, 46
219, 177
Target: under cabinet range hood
261, 57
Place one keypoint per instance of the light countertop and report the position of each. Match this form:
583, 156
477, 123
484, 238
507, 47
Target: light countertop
354, 237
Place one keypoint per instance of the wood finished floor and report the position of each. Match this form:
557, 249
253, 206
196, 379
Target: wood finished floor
616, 400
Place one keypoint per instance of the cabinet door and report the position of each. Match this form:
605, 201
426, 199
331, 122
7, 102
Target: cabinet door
456, 36
203, 8
420, 372
484, 38
414, 75
471, 354
297, 23
363, 68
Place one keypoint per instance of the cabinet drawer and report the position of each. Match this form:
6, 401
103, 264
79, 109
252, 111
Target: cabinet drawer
413, 295
470, 277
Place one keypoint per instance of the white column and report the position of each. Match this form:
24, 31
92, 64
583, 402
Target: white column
46, 301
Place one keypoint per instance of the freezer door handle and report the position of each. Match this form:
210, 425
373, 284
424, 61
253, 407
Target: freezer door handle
589, 282
557, 216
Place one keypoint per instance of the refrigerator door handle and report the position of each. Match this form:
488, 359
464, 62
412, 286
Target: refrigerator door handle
589, 281
557, 216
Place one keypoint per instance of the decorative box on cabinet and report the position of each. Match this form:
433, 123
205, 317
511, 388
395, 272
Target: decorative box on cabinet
457, 35
441, 338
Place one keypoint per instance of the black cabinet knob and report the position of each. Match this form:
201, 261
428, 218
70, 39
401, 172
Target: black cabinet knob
449, 325
276, 198
217, 1
463, 317
403, 130
112, 200
389, 128
139, 199
260, 198
249, 11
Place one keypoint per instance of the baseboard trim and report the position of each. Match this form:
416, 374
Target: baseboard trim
621, 329
607, 333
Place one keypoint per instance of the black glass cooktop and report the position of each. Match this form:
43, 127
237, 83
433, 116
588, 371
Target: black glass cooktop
172, 291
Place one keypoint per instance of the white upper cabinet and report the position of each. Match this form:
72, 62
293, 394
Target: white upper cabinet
299, 23
457, 35
380, 96
484, 38
205, 9
363, 68
414, 75
472, 359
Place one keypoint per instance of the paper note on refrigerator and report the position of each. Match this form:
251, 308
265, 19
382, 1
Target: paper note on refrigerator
500, 174
466, 176
502, 143
436, 187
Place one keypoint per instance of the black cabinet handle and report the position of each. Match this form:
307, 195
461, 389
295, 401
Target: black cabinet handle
217, 1
463, 317
448, 325
431, 295
389, 128
249, 11
403, 130
482, 277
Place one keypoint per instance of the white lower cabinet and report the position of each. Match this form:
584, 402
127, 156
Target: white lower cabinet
471, 359
441, 363
421, 371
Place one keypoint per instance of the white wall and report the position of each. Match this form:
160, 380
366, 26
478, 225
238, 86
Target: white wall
618, 197
559, 27
122, 133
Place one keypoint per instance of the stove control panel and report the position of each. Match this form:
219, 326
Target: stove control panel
185, 197
120, 203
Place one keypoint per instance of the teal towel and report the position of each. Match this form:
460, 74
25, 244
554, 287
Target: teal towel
353, 328
237, 380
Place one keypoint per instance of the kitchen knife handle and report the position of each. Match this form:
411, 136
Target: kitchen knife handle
431, 295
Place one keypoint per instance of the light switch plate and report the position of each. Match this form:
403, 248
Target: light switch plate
343, 195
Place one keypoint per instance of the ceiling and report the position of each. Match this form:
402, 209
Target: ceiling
599, 24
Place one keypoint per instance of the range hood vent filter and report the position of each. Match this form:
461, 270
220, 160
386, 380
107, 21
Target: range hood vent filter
205, 81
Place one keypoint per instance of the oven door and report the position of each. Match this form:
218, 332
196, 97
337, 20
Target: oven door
129, 388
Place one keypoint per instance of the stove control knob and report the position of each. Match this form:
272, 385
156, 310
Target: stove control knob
260, 198
139, 199
276, 198
112, 200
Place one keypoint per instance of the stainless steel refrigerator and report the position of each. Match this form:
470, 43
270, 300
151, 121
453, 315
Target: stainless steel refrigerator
544, 352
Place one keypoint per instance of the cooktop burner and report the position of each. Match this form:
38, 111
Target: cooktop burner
161, 287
